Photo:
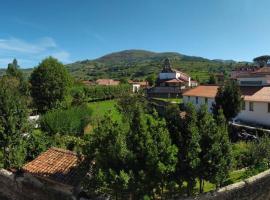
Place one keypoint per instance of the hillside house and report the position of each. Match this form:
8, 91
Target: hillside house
255, 89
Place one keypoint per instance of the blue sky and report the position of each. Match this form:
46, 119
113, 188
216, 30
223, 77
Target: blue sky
72, 30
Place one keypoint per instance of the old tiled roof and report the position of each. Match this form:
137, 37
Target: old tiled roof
251, 93
174, 81
107, 82
57, 165
258, 94
202, 91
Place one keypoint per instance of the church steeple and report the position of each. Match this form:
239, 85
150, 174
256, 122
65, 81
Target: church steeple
167, 66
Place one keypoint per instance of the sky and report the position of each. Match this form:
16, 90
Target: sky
73, 30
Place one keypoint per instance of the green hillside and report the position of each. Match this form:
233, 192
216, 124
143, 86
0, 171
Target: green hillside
137, 64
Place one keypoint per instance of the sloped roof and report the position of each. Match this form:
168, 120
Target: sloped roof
249, 93
174, 81
57, 165
209, 91
107, 82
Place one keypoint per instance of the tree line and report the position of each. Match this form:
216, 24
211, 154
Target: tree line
147, 155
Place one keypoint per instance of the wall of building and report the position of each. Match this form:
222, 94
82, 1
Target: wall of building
201, 101
251, 81
259, 114
20, 187
171, 75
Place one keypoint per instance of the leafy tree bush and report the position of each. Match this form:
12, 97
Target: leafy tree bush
13, 122
228, 98
71, 121
50, 83
107, 92
141, 156
242, 155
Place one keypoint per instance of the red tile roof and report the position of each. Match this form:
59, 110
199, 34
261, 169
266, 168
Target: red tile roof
202, 91
174, 81
57, 165
107, 82
258, 94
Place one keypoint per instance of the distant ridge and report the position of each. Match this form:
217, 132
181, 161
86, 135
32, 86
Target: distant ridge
138, 64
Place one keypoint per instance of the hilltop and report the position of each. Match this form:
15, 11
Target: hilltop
138, 64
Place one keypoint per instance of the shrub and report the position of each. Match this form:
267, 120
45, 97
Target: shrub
71, 121
242, 154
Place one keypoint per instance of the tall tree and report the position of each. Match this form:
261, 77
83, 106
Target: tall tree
221, 152
189, 149
13, 122
207, 127
262, 60
136, 157
50, 83
14, 71
151, 79
212, 79
228, 98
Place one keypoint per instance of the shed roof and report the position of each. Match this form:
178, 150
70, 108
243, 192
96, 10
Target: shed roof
57, 165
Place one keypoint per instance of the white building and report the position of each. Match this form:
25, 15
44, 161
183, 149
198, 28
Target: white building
255, 109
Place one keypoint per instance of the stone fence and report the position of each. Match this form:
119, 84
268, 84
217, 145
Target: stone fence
23, 187
253, 188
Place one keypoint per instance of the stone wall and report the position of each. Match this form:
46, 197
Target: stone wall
15, 187
23, 187
254, 188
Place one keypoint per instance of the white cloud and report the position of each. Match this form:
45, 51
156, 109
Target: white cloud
30, 52
63, 56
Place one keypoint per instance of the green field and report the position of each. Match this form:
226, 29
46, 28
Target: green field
101, 108
171, 100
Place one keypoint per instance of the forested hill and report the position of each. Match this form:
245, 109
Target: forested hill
137, 64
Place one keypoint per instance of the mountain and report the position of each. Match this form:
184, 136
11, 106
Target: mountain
137, 64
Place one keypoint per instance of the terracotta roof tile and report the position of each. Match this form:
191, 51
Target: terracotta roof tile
174, 81
258, 94
202, 91
57, 165
107, 82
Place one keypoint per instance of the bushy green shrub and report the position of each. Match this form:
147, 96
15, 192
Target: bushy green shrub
71, 121
107, 92
36, 142
242, 154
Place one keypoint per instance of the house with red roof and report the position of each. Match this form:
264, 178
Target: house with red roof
255, 89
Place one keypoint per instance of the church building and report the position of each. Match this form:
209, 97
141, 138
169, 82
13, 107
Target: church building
170, 82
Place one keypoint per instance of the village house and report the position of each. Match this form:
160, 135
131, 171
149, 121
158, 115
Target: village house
170, 82
255, 89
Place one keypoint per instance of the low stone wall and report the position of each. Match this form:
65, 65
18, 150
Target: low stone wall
254, 188
23, 187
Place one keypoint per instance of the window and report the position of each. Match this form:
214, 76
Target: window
243, 105
206, 100
188, 98
251, 106
269, 107
197, 100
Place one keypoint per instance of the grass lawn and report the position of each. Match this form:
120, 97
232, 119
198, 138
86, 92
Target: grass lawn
234, 177
171, 100
100, 108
